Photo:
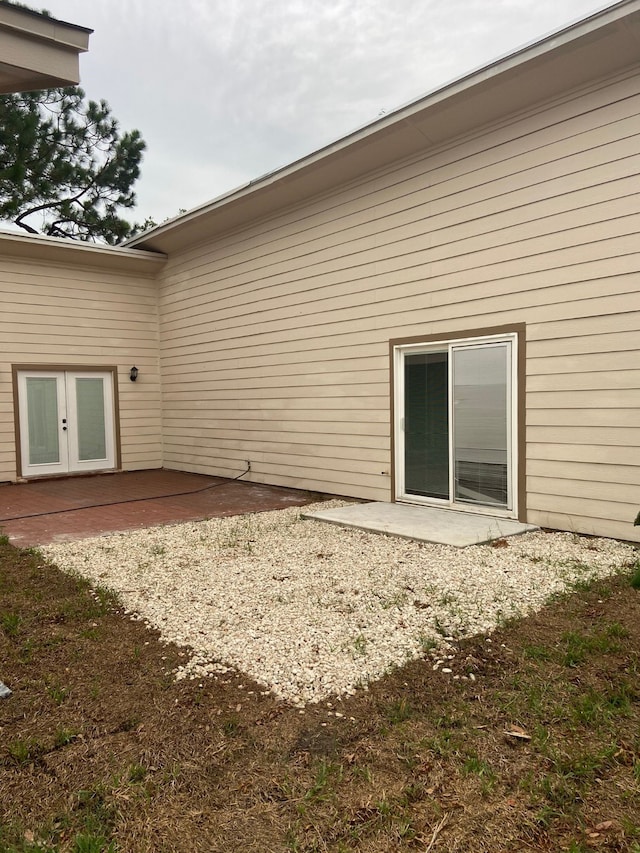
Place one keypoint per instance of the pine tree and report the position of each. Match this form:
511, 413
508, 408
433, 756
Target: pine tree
66, 170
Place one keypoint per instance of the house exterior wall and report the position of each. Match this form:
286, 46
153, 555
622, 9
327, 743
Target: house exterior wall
70, 314
275, 339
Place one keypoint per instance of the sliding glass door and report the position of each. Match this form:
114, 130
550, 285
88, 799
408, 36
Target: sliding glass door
455, 423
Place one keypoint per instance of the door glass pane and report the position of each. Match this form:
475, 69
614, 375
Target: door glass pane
426, 424
481, 391
42, 413
92, 442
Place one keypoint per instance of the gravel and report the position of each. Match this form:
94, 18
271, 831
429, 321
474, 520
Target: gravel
308, 609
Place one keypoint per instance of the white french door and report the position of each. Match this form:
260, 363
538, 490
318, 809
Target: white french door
66, 421
456, 424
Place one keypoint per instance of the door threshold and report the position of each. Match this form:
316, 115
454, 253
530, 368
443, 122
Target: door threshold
43, 478
483, 511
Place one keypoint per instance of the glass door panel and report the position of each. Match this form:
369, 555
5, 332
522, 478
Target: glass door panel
91, 434
42, 416
481, 417
426, 424
42, 427
90, 419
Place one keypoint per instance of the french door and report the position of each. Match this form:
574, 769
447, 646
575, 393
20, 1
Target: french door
456, 424
66, 421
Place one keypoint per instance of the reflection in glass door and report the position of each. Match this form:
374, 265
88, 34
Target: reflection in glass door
482, 424
455, 405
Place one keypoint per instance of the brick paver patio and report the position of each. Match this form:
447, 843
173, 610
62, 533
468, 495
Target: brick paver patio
45, 511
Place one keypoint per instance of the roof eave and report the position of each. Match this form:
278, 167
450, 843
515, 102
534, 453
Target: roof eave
38, 51
37, 247
600, 45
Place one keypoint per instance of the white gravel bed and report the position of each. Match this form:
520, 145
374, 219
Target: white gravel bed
309, 609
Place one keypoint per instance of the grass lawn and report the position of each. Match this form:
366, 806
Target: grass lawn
101, 750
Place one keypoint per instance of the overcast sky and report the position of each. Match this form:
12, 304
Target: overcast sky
226, 90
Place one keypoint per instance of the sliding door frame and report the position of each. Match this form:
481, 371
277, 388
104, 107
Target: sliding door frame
399, 346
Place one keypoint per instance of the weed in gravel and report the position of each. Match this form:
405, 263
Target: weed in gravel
327, 775
63, 737
360, 644
105, 600
137, 773
447, 599
585, 584
365, 774
231, 725
10, 624
398, 712
440, 627
444, 745
616, 631
25, 653
631, 830
25, 750
58, 694
91, 843
427, 644
635, 576
482, 769
479, 767
238, 531
594, 706
579, 646
398, 599
97, 817
535, 651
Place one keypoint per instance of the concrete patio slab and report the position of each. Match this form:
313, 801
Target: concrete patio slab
424, 524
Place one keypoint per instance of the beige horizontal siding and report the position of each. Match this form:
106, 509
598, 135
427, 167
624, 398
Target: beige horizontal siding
589, 453
596, 491
274, 338
77, 315
577, 417
306, 432
585, 471
595, 517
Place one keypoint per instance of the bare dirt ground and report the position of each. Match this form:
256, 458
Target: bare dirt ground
101, 750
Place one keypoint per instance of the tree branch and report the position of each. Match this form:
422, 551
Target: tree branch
26, 227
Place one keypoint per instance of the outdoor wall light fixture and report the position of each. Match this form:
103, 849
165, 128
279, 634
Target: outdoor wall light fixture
133, 374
